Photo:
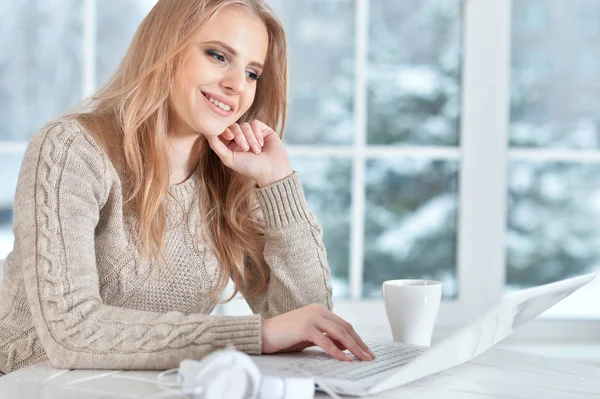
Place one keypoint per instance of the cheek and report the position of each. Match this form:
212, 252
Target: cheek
187, 80
187, 91
175, 97
180, 98
179, 85
247, 100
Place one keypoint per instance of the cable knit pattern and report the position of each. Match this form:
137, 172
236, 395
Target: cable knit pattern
77, 293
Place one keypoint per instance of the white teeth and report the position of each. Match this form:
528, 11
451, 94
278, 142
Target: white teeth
219, 104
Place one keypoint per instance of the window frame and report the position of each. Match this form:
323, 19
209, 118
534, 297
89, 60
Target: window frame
484, 157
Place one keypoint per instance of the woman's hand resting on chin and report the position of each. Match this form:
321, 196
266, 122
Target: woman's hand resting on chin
309, 326
253, 150
256, 151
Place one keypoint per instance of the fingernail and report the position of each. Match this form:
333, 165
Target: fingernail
256, 148
367, 356
245, 146
350, 358
262, 141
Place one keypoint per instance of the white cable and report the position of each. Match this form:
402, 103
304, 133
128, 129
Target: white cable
322, 385
163, 374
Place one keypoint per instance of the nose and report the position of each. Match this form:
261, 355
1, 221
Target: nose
234, 81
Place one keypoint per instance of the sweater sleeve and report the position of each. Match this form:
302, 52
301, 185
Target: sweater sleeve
62, 187
294, 252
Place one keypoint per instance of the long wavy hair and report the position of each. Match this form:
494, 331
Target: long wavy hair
130, 116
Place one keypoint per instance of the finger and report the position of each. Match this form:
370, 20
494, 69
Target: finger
233, 146
257, 129
224, 153
239, 137
250, 137
348, 327
338, 344
227, 134
325, 343
338, 333
267, 130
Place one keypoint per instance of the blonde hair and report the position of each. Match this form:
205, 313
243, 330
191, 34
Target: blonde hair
130, 117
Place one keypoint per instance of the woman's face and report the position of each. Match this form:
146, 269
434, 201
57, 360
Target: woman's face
216, 84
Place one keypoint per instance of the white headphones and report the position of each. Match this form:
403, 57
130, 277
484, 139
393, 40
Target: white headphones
230, 374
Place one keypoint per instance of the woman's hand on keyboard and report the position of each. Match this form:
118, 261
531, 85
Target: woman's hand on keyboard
309, 326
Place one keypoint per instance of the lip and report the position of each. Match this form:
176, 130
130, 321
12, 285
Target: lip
220, 99
216, 109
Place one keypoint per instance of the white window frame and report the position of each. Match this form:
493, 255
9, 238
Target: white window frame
483, 155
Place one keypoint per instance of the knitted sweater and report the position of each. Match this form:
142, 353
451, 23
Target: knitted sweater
76, 291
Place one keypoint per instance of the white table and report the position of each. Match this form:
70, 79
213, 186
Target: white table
497, 373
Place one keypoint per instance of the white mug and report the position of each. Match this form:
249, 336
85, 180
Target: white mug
412, 307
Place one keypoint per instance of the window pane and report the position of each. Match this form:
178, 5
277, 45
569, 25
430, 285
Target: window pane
553, 231
321, 51
117, 23
554, 74
411, 222
10, 162
327, 184
40, 63
414, 72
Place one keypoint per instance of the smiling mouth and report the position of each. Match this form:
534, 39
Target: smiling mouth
217, 103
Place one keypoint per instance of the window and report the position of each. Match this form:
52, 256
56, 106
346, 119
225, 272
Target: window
451, 140
33, 85
553, 201
366, 90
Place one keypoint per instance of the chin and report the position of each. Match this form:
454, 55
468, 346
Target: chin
211, 132
211, 129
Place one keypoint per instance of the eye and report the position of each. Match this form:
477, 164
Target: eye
216, 55
252, 75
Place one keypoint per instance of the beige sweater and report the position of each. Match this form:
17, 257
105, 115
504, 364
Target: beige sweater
76, 293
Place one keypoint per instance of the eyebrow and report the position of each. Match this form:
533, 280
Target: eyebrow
233, 52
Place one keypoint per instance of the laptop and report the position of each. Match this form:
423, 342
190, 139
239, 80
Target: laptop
398, 364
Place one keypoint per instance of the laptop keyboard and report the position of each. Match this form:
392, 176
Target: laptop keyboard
388, 356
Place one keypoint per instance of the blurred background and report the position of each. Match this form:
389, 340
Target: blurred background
379, 132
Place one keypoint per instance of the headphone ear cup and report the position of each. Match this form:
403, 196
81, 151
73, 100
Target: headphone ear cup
252, 370
193, 373
233, 382
252, 375
222, 372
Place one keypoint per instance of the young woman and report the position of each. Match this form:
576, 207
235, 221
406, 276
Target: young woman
133, 213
